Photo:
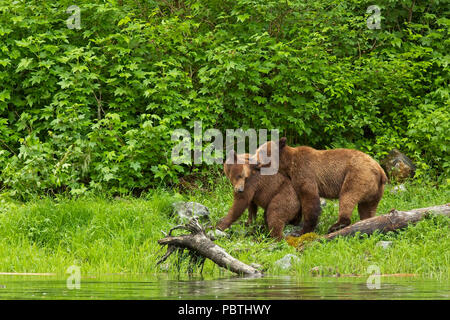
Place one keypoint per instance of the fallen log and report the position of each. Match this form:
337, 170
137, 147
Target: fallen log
394, 220
201, 247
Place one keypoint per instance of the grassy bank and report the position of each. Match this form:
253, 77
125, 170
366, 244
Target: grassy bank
119, 236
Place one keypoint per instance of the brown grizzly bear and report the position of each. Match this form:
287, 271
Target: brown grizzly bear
274, 194
350, 175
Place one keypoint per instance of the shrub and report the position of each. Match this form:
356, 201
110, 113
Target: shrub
93, 109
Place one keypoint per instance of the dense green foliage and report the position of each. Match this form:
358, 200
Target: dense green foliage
93, 109
104, 237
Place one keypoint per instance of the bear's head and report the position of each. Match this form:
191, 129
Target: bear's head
237, 169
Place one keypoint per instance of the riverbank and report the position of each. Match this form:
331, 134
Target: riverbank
109, 236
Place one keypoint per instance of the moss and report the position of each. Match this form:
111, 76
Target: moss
297, 242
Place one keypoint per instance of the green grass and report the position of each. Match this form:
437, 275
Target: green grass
120, 236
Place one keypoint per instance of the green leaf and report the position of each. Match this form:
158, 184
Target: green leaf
5, 95
24, 64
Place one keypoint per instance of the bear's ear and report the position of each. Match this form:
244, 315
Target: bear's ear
254, 167
282, 143
253, 162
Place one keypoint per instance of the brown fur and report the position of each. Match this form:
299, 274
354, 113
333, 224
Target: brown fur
349, 175
275, 194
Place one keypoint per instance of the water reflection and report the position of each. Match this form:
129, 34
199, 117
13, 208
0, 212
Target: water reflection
163, 287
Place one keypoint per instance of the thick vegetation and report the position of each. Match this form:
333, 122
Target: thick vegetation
93, 109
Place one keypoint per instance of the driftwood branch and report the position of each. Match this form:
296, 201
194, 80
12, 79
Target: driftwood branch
202, 247
389, 222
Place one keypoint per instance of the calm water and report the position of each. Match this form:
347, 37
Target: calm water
160, 287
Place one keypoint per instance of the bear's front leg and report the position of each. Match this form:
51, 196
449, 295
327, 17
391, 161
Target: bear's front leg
252, 211
236, 210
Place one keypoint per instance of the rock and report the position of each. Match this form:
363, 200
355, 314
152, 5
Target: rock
399, 188
316, 271
293, 233
256, 266
216, 234
325, 271
186, 210
275, 246
384, 244
164, 267
398, 166
286, 262
288, 229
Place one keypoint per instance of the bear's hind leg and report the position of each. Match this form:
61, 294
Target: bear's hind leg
347, 203
276, 216
275, 225
368, 209
311, 210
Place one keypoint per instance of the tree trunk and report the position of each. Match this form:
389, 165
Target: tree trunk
389, 222
200, 244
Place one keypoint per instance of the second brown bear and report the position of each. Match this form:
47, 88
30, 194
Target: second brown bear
349, 175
